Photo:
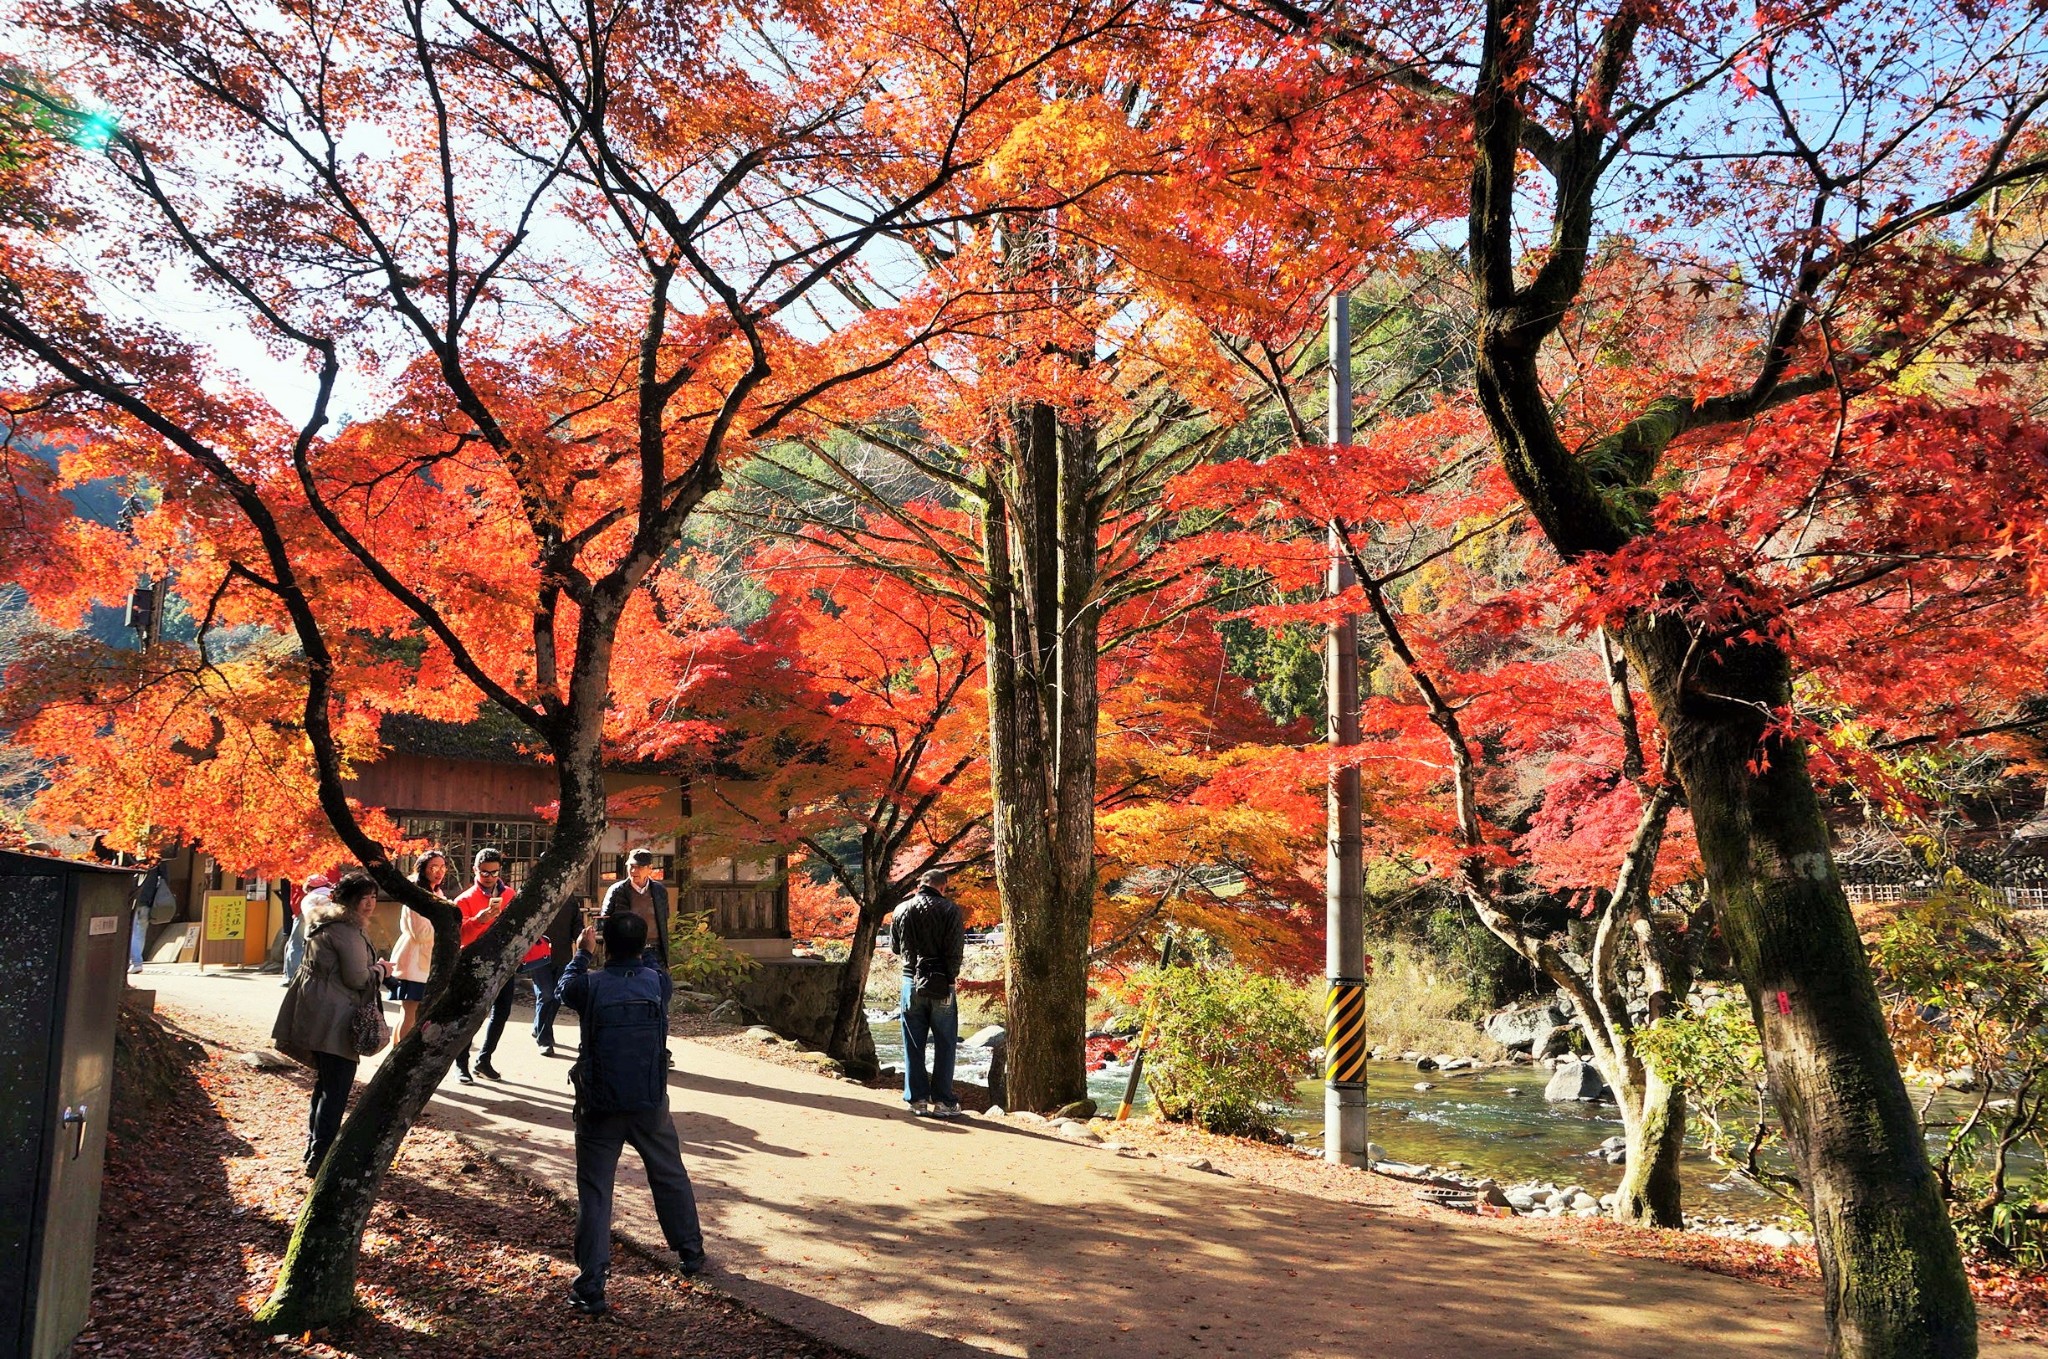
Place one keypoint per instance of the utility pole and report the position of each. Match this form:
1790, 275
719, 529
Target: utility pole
1344, 1049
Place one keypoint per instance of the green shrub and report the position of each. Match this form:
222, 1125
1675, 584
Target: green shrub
1712, 1052
1227, 1043
1967, 989
701, 961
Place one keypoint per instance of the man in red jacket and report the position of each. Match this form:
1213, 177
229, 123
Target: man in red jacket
488, 895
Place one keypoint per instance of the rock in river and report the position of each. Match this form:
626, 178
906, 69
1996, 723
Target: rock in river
1575, 1081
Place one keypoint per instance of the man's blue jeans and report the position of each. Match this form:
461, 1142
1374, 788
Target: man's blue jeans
542, 975
939, 1022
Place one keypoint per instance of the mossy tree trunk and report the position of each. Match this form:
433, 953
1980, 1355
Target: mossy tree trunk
1892, 1270
1040, 526
1653, 1124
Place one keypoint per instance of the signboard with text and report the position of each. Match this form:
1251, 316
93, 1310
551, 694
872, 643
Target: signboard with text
225, 925
226, 915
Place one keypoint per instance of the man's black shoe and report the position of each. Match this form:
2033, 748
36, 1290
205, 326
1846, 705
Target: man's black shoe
690, 1266
547, 1049
590, 1307
486, 1070
462, 1074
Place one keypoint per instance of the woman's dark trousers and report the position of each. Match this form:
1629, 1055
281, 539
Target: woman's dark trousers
333, 1078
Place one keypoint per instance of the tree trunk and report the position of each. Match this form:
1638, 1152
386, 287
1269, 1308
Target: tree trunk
1893, 1272
1653, 1123
850, 998
1040, 536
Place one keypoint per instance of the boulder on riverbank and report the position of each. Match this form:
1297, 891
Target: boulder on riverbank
1518, 1027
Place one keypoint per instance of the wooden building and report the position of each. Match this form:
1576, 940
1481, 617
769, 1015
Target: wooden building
462, 787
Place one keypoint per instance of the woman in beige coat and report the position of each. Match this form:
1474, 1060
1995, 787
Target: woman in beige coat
316, 1023
412, 957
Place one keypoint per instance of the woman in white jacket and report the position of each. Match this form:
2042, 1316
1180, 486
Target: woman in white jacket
412, 957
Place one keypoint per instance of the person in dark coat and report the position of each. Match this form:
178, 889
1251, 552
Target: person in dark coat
644, 895
621, 1081
929, 934
316, 1023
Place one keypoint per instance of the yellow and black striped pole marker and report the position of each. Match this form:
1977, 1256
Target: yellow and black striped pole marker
1344, 1034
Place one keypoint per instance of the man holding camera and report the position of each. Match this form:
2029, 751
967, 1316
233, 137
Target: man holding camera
621, 1080
488, 896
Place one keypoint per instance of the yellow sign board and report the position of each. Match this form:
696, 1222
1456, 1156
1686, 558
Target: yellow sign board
226, 915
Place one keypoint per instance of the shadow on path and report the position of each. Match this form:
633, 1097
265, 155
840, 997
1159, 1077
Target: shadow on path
809, 1100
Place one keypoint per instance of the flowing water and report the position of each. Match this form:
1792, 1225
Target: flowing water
1495, 1121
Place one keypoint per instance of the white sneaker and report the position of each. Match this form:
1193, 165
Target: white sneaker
920, 1107
946, 1110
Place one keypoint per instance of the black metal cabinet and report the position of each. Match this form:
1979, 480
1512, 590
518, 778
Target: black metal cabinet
63, 962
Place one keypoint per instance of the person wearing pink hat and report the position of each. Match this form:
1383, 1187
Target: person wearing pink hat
313, 894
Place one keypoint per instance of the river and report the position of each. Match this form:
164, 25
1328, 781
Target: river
1494, 1121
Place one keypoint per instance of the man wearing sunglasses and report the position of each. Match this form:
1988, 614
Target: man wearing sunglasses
487, 896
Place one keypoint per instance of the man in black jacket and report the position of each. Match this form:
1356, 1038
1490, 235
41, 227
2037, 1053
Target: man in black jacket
929, 935
621, 1084
646, 896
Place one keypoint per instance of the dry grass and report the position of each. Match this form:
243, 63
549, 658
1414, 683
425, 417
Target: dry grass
1412, 1003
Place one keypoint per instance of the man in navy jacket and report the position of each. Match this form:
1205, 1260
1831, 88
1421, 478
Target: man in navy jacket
621, 1080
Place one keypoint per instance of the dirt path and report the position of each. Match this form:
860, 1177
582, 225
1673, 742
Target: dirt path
828, 1207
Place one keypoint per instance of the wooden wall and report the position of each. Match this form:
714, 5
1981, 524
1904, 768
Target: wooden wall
418, 783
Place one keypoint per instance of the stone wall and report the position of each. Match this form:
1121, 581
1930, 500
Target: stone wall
793, 996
